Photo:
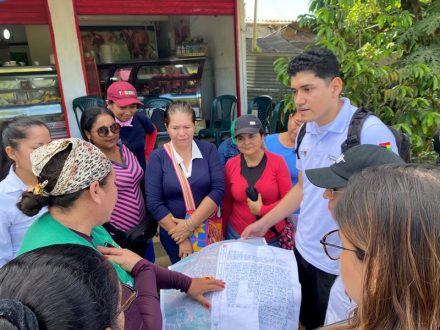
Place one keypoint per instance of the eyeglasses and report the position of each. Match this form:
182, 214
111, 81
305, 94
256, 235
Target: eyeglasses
331, 193
331, 243
133, 295
104, 131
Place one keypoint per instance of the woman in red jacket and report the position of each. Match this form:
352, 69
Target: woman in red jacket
256, 180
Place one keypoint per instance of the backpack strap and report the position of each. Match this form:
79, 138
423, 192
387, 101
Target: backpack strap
299, 138
355, 128
184, 184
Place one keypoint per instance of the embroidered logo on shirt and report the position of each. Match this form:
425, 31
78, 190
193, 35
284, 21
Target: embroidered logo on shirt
340, 159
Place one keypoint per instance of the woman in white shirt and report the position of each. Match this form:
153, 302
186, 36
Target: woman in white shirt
19, 137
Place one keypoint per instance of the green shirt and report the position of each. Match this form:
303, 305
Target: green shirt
48, 231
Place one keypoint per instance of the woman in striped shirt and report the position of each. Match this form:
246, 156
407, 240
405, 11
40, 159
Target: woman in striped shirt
99, 127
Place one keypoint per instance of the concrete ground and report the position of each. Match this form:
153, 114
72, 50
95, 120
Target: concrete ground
161, 256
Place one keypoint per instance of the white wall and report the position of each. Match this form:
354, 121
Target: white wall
40, 44
70, 70
218, 31
242, 55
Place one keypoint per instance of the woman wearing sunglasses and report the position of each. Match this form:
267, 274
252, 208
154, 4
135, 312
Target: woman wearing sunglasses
389, 255
99, 127
77, 183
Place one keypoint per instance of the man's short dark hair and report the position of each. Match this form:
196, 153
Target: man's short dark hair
321, 61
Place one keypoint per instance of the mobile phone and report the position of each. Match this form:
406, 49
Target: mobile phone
252, 193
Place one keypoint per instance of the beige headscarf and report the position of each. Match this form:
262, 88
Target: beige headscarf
84, 165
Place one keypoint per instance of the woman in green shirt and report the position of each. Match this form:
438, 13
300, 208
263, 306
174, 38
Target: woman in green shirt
76, 181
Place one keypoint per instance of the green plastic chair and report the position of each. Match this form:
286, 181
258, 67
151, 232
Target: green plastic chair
275, 117
80, 104
155, 109
263, 103
223, 112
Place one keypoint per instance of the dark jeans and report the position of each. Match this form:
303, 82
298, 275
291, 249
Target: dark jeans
315, 291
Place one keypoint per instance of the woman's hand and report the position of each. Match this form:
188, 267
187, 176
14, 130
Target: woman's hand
255, 206
185, 248
201, 285
123, 257
181, 231
257, 229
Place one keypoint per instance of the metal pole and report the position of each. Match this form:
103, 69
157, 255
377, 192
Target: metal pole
254, 29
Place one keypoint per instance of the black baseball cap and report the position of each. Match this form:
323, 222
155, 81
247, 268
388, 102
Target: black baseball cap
247, 124
350, 162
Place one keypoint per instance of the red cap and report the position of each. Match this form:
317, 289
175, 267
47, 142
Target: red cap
122, 93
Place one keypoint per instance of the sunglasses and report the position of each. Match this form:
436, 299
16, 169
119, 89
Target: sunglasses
104, 131
133, 295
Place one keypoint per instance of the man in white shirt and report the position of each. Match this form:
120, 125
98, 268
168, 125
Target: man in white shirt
317, 86
334, 179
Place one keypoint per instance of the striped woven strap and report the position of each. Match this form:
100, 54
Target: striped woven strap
184, 184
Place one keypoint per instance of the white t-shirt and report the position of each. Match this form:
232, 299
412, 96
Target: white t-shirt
320, 147
13, 223
339, 304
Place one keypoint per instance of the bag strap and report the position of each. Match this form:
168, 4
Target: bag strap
355, 128
299, 138
184, 184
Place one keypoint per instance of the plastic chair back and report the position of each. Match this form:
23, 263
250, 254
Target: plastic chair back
155, 109
223, 111
275, 117
263, 103
80, 104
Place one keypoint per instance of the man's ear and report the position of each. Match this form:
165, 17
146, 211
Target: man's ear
95, 192
11, 153
336, 86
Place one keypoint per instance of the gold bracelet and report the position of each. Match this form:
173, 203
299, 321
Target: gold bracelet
190, 223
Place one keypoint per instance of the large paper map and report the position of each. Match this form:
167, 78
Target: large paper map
262, 289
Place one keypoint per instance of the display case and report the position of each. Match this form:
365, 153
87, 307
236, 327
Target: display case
32, 91
177, 79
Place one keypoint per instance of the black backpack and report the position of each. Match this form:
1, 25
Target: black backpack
354, 135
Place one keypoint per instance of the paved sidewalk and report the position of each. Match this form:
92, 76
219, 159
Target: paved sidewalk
161, 256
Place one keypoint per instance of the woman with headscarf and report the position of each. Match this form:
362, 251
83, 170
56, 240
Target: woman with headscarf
77, 182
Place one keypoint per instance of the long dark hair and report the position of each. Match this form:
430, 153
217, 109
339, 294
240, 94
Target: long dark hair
66, 286
88, 119
12, 131
392, 214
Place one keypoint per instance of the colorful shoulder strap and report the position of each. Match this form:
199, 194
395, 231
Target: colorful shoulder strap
184, 184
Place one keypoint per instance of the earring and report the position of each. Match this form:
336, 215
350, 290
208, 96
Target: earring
17, 165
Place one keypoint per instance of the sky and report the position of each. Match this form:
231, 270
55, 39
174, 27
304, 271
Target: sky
286, 10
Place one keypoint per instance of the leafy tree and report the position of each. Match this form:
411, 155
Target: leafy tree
390, 60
